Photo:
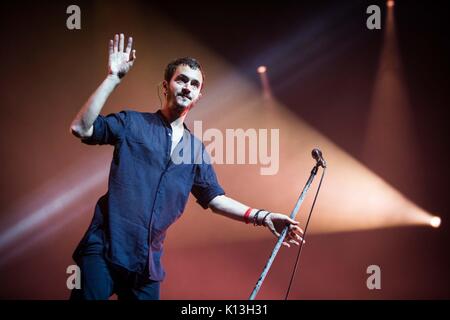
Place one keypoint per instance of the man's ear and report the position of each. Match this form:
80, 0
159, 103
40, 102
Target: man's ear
164, 84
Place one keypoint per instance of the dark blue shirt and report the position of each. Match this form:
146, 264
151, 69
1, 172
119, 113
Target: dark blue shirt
147, 188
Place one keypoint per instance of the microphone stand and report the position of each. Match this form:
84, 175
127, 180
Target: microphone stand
285, 230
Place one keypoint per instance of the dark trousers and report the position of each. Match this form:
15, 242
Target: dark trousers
100, 280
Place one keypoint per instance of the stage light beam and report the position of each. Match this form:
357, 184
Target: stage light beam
261, 69
435, 222
267, 92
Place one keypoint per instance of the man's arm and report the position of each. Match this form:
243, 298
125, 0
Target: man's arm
275, 222
119, 63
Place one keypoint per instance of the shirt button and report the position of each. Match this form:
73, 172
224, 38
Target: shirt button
169, 134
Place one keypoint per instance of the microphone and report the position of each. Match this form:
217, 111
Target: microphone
317, 155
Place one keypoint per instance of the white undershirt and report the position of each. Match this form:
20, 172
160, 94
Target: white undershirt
177, 134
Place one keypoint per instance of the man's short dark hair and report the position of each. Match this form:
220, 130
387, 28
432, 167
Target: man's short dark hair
188, 61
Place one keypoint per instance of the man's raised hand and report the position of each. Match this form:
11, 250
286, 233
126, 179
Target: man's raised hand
121, 59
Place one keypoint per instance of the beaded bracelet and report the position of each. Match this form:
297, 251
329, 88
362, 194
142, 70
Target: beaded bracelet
255, 217
268, 212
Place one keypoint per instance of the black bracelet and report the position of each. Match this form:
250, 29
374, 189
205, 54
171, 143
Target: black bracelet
255, 217
268, 212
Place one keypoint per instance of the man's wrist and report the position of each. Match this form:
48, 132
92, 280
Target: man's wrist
257, 216
264, 217
113, 78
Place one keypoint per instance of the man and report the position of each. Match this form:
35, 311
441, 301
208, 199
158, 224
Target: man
147, 190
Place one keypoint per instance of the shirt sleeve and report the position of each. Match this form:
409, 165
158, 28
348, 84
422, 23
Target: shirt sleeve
206, 187
108, 129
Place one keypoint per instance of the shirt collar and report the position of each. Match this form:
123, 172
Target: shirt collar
167, 123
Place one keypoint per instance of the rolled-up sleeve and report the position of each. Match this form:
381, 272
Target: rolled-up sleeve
108, 129
206, 187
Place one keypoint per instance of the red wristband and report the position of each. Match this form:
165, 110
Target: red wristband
247, 214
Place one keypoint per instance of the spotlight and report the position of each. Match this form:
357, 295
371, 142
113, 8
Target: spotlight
261, 69
390, 3
435, 222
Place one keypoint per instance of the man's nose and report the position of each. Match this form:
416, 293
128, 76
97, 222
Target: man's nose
185, 89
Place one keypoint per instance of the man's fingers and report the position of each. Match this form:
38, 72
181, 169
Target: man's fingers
111, 47
286, 244
129, 45
116, 42
293, 232
293, 235
134, 55
121, 42
292, 228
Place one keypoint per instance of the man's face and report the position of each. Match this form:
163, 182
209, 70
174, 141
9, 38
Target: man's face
183, 90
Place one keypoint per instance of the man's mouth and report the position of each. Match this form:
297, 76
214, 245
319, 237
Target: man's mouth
184, 96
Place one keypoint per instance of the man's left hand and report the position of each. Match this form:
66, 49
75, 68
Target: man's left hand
276, 222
